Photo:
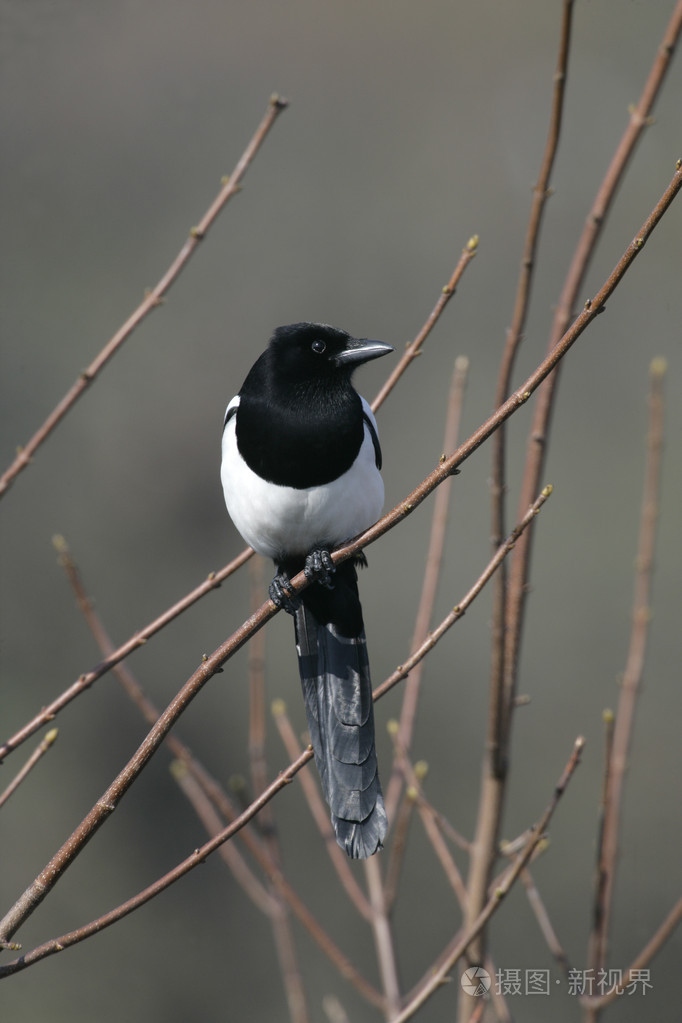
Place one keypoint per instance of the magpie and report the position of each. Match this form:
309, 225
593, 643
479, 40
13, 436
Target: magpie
300, 474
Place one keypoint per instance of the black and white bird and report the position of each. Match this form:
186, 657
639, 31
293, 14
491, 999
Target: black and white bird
300, 473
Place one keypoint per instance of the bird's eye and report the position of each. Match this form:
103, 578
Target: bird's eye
319, 347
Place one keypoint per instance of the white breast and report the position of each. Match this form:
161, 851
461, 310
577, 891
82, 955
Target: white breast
283, 521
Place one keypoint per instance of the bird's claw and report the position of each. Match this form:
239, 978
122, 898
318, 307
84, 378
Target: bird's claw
320, 568
282, 595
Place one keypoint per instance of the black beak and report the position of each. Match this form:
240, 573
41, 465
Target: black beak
358, 351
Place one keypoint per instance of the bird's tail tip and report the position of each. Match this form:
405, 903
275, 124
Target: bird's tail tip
361, 839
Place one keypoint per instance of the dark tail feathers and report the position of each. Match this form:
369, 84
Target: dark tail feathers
338, 701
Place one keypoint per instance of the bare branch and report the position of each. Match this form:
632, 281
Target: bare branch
63, 858
383, 938
624, 718
39, 752
435, 978
645, 956
537, 440
138, 639
458, 610
432, 567
152, 299
414, 348
213, 663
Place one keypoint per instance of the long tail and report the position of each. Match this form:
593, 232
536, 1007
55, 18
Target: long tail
332, 654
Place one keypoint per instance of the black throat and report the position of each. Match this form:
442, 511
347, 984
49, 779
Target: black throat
302, 435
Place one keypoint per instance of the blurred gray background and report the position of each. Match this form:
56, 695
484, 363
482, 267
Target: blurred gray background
411, 127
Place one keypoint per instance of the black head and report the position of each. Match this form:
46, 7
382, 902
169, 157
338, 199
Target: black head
300, 421
316, 349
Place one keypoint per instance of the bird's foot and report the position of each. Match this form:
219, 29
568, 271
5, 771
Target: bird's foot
320, 568
282, 595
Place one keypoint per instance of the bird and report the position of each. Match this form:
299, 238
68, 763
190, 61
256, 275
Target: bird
300, 472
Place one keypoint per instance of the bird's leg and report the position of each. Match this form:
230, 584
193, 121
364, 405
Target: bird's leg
281, 593
320, 568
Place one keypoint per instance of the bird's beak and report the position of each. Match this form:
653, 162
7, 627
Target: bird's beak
357, 351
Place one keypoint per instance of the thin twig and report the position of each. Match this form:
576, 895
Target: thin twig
138, 639
279, 915
414, 348
229, 853
435, 978
383, 937
213, 663
39, 752
624, 719
545, 924
492, 786
198, 856
539, 431
459, 610
200, 779
400, 826
593, 307
60, 862
414, 777
152, 299
541, 193
639, 962
432, 567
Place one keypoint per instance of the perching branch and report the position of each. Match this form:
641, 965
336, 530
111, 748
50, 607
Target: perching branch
107, 804
36, 892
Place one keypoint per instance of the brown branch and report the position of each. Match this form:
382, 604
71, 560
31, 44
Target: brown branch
545, 924
432, 567
198, 856
400, 826
414, 776
654, 945
213, 663
414, 348
539, 432
519, 573
196, 795
39, 752
445, 469
45, 881
492, 785
152, 299
624, 719
435, 978
279, 915
459, 609
504, 672
138, 639
383, 938
514, 336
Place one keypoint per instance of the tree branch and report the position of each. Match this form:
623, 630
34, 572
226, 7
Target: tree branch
152, 299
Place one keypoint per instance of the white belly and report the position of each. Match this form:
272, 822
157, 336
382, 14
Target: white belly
279, 521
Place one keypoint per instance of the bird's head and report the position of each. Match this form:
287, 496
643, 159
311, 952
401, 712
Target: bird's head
309, 350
